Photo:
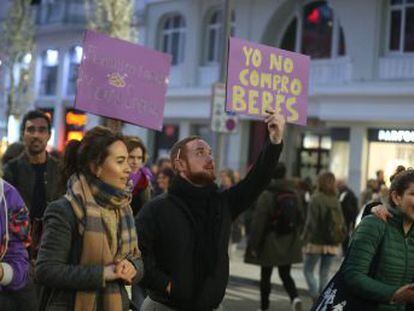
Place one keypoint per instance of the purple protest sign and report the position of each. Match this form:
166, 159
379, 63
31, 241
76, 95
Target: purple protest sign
261, 77
122, 80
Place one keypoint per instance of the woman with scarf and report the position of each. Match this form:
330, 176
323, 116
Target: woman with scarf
89, 247
14, 259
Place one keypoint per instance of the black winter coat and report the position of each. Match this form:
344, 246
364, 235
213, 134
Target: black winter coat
57, 265
166, 237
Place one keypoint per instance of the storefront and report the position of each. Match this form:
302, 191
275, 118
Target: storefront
389, 148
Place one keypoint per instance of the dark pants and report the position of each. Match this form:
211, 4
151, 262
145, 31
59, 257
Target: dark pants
20, 300
266, 286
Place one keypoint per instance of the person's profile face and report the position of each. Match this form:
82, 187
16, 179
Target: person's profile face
115, 169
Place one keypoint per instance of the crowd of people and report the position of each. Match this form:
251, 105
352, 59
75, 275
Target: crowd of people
75, 231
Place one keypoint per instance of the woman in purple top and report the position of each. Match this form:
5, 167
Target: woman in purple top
14, 239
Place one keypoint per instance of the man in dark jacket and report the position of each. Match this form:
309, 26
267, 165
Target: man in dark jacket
183, 235
275, 239
34, 173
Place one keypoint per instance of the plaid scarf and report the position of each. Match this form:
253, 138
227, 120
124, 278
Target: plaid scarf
106, 223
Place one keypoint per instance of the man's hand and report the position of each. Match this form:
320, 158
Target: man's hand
275, 125
404, 294
381, 212
126, 270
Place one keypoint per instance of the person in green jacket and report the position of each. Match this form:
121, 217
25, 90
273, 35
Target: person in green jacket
392, 245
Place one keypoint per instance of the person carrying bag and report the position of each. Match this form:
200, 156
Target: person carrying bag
378, 269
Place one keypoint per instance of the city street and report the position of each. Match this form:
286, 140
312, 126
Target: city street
244, 295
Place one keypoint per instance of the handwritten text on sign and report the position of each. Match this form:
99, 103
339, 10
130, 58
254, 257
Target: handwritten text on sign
262, 77
121, 80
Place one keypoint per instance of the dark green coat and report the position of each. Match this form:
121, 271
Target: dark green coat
273, 249
395, 262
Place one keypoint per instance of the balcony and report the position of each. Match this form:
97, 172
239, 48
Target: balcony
330, 71
61, 12
398, 67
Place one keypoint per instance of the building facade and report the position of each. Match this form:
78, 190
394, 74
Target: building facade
361, 100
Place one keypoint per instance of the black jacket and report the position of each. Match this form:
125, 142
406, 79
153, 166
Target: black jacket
20, 174
166, 237
57, 265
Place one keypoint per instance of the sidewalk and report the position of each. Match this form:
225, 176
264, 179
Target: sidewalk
240, 271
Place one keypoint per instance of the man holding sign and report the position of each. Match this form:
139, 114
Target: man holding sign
183, 235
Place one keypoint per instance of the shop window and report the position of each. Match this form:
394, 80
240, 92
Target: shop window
173, 37
319, 33
314, 155
214, 35
75, 57
401, 26
49, 73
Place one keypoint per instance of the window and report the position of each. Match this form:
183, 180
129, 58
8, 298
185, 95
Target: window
50, 61
214, 35
318, 35
401, 26
173, 38
75, 57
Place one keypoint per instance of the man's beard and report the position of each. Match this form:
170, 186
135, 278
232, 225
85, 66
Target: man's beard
33, 151
201, 178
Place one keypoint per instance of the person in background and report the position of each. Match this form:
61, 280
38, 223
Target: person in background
369, 193
12, 152
275, 239
89, 247
67, 166
349, 205
164, 179
35, 173
161, 164
14, 259
140, 175
140, 179
380, 179
227, 179
324, 232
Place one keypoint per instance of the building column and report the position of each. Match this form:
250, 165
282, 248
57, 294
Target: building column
358, 158
59, 111
184, 129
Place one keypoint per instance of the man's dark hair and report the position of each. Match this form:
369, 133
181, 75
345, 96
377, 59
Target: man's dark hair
179, 151
35, 114
279, 171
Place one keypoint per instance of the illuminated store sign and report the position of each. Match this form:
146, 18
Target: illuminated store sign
391, 135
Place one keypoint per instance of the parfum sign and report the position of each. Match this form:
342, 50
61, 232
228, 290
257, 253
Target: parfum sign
122, 80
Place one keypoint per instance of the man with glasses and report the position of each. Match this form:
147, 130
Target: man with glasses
184, 234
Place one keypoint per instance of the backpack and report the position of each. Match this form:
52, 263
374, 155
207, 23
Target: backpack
286, 214
335, 230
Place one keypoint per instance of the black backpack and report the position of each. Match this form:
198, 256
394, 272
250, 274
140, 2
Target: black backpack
286, 214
